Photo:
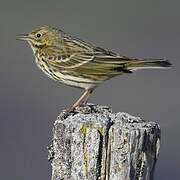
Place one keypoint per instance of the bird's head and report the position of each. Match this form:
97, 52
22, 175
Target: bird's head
44, 36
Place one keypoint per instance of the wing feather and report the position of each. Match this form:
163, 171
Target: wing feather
96, 60
73, 61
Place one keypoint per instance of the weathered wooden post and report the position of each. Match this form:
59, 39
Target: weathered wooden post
97, 144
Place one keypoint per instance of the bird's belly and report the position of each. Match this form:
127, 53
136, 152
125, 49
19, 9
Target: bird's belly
72, 80
67, 79
78, 84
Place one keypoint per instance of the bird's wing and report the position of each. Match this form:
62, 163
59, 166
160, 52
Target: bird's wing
72, 61
67, 57
96, 60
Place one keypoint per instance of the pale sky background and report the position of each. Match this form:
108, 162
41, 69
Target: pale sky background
30, 101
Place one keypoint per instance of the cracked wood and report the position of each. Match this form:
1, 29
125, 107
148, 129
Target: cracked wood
93, 143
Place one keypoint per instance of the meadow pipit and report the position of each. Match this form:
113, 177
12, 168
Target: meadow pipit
80, 64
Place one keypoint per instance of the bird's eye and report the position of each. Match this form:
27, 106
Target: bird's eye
38, 35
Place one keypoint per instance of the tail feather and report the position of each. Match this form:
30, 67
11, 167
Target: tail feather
148, 64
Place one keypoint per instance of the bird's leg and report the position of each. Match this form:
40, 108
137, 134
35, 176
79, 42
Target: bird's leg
88, 96
77, 103
80, 99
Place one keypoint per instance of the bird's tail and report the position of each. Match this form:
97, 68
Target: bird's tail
147, 64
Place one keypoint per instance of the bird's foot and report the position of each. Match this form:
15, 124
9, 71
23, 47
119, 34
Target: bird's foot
84, 108
66, 113
81, 108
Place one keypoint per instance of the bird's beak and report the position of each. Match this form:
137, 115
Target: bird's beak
24, 37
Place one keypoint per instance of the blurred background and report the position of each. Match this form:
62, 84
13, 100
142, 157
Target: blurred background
30, 101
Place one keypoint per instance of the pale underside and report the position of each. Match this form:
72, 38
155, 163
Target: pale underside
68, 79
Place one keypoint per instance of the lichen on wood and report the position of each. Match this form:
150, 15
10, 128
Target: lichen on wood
94, 143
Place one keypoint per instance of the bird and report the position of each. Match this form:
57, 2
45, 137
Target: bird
74, 62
